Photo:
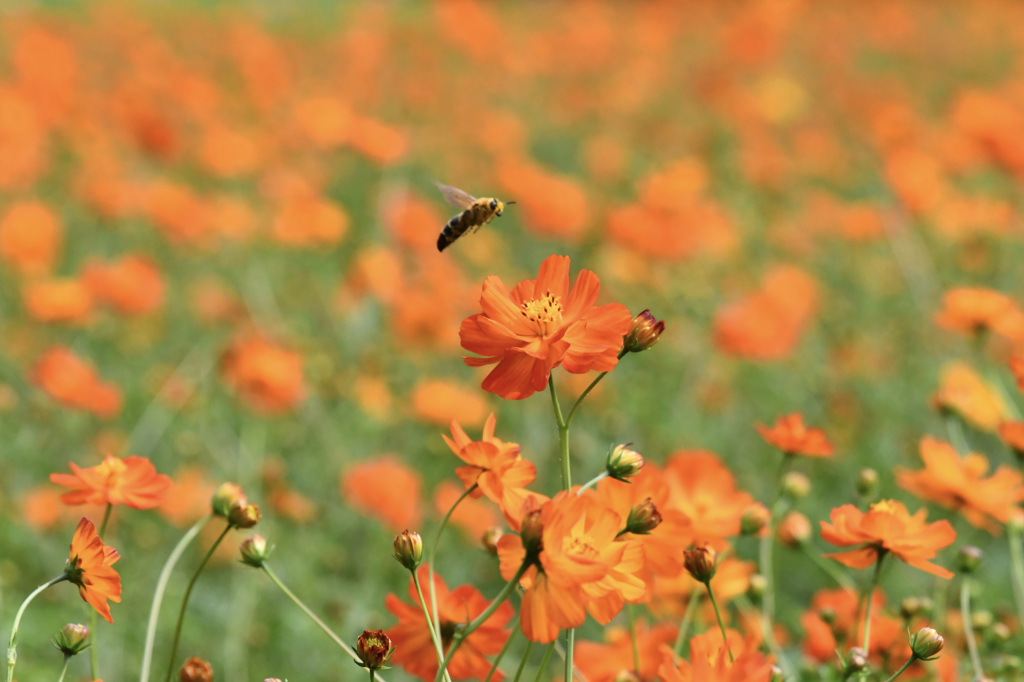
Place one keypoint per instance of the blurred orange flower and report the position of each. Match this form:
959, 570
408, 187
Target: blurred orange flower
385, 489
473, 517
310, 222
71, 382
414, 649
58, 300
835, 619
132, 285
790, 435
965, 392
439, 402
974, 310
89, 567
710, 661
703, 488
1017, 368
30, 236
603, 662
267, 377
1012, 433
132, 481
887, 528
188, 499
540, 325
957, 483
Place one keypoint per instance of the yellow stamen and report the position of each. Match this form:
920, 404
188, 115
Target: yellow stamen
544, 313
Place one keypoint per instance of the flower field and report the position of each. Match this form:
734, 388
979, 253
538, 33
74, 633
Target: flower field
721, 378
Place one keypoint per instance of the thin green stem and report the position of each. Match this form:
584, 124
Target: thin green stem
570, 642
504, 649
312, 616
435, 636
870, 603
432, 552
593, 482
12, 647
684, 623
718, 616
161, 587
586, 392
106, 519
94, 665
64, 668
633, 638
184, 601
745, 607
955, 430
563, 437
844, 581
372, 675
1013, 534
965, 614
547, 659
913, 657
522, 662
461, 635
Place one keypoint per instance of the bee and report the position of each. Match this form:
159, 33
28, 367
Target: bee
475, 214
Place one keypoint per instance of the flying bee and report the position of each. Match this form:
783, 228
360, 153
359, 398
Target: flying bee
475, 214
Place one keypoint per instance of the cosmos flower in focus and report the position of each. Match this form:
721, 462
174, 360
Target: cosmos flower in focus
541, 324
89, 567
132, 481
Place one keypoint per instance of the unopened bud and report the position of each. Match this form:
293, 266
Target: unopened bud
623, 463
794, 529
754, 519
374, 649
244, 514
643, 518
643, 333
701, 562
254, 551
867, 483
195, 670
532, 533
226, 496
912, 607
757, 586
968, 559
409, 549
72, 639
926, 643
490, 540
856, 661
796, 485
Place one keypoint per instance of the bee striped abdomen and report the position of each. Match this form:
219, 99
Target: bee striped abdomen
454, 229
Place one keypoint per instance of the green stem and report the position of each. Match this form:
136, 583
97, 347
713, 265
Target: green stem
372, 676
64, 669
161, 587
632, 636
1013, 534
684, 623
586, 392
593, 482
522, 662
106, 519
965, 614
844, 581
434, 632
563, 437
870, 603
184, 601
913, 657
718, 616
94, 665
12, 647
504, 649
955, 430
547, 659
306, 610
570, 641
432, 551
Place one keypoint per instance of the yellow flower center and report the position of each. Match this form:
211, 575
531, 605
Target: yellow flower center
581, 545
111, 470
544, 313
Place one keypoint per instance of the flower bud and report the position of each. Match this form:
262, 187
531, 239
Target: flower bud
981, 619
195, 670
243, 514
374, 649
968, 559
926, 643
72, 639
409, 549
643, 333
701, 562
796, 485
912, 607
757, 586
643, 518
532, 533
754, 519
623, 463
254, 551
490, 540
794, 529
867, 483
856, 661
224, 497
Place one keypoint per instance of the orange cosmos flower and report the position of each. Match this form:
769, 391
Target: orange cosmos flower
703, 488
384, 489
540, 325
581, 566
132, 285
411, 636
965, 392
58, 300
268, 377
132, 481
709, 661
604, 662
835, 621
957, 483
30, 236
972, 310
75, 384
887, 528
89, 566
790, 435
1012, 433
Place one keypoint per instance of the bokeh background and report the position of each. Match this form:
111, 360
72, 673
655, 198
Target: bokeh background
217, 250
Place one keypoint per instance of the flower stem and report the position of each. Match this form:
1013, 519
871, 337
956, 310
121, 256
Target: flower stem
184, 601
586, 392
721, 625
965, 613
432, 551
522, 663
547, 658
563, 437
570, 641
593, 482
1017, 565
913, 657
955, 430
161, 587
870, 603
64, 669
684, 623
632, 637
828, 567
306, 610
504, 649
434, 636
12, 647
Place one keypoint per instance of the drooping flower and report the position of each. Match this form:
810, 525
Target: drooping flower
887, 528
132, 481
414, 649
793, 437
958, 483
541, 324
89, 567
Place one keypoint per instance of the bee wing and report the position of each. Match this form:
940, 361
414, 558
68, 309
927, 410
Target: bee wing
456, 197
